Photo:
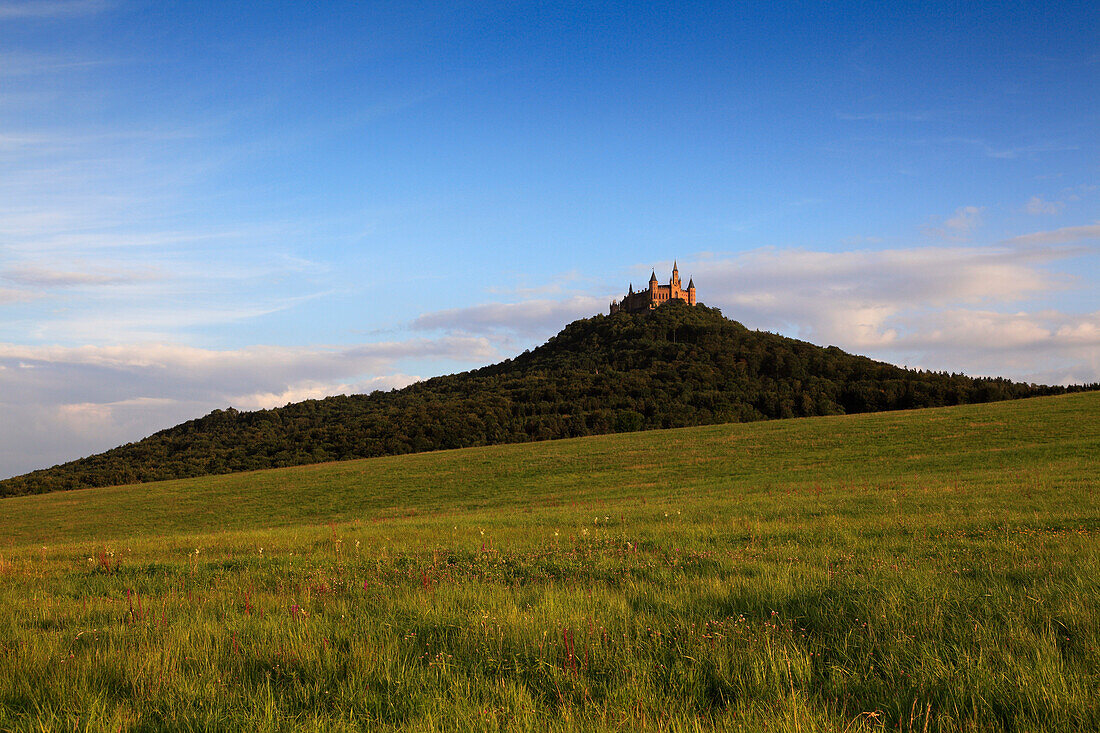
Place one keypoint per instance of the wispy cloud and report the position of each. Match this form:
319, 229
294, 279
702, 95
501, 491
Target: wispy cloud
13, 64
896, 116
13, 295
1064, 235
41, 277
103, 297
558, 284
162, 315
52, 8
1010, 152
1036, 206
526, 318
1028, 151
960, 225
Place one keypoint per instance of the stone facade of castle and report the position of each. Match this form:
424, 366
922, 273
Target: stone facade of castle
656, 295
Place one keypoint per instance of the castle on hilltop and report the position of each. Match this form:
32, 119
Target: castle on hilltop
656, 295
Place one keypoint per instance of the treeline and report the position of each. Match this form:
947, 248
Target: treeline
673, 367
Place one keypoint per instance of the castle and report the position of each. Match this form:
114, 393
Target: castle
656, 295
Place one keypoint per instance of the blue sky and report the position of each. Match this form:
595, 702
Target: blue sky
204, 204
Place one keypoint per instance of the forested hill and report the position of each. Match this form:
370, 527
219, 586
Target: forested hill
672, 367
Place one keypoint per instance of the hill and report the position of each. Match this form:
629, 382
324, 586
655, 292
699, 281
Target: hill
672, 367
927, 570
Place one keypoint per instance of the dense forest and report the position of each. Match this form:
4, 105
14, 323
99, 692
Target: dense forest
672, 367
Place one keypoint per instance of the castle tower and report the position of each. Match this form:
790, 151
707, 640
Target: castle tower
691, 291
653, 289
675, 282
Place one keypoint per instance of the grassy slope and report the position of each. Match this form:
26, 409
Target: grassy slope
938, 565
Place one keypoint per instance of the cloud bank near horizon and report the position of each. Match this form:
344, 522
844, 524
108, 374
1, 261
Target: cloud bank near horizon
61, 403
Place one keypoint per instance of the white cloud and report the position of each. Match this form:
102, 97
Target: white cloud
922, 116
1036, 206
966, 219
16, 63
63, 278
1065, 235
960, 225
944, 308
526, 318
1019, 151
1048, 346
559, 284
62, 402
12, 295
95, 417
314, 390
51, 8
853, 295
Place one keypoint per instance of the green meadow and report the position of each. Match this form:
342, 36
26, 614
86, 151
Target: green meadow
931, 570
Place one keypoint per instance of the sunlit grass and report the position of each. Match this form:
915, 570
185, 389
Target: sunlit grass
933, 570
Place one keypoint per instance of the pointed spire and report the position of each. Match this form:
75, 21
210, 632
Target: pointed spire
691, 284
674, 269
653, 276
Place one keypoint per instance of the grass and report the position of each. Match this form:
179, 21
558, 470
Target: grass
924, 571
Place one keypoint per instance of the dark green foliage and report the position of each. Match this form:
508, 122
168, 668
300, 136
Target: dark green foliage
672, 367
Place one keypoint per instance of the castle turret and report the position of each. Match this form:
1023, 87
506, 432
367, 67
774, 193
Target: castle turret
675, 282
691, 291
